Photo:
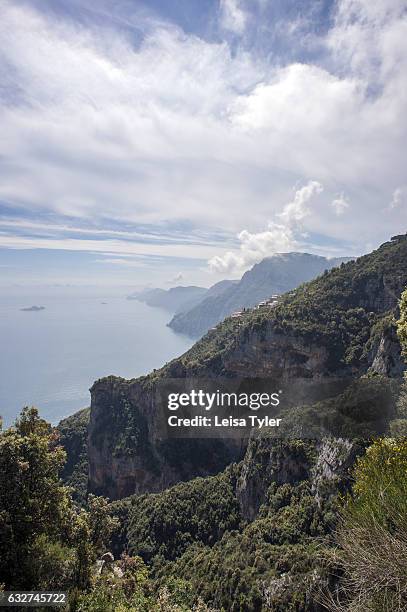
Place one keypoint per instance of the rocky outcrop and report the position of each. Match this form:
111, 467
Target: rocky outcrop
330, 473
270, 353
127, 455
268, 461
386, 355
325, 464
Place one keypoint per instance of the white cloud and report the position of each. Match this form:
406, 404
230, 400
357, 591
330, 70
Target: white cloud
296, 210
340, 205
97, 128
279, 236
233, 16
399, 197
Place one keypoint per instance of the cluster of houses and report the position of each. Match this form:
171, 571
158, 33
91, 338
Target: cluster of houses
271, 302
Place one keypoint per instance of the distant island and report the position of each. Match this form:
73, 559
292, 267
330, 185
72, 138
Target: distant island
33, 308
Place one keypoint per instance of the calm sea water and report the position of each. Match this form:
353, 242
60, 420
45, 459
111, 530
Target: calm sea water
51, 358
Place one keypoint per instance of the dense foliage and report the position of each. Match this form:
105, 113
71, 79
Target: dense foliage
73, 437
373, 535
196, 532
39, 530
166, 524
47, 543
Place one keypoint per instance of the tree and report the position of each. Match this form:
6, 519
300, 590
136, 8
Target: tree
100, 522
45, 541
35, 508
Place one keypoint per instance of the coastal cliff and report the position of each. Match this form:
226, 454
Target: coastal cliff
338, 326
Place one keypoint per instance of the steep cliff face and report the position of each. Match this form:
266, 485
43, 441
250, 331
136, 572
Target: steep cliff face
324, 464
268, 461
126, 454
338, 326
386, 354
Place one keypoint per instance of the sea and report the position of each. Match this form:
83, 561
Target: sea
50, 358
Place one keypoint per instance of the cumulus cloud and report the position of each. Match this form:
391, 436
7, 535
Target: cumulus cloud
279, 237
340, 205
296, 210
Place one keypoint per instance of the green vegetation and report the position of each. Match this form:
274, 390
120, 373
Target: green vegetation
48, 543
73, 437
196, 532
127, 587
282, 530
373, 534
39, 530
166, 524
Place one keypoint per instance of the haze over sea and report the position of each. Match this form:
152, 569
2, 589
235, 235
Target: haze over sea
50, 358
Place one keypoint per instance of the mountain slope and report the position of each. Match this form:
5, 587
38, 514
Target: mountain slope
336, 327
273, 275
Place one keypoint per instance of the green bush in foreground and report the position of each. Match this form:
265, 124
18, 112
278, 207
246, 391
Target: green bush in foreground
373, 533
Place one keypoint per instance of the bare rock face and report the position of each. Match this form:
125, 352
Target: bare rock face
126, 454
268, 353
386, 355
268, 461
121, 456
325, 464
330, 472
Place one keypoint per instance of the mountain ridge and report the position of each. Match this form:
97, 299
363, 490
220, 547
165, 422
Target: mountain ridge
273, 275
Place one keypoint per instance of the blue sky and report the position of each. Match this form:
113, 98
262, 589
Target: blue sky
181, 142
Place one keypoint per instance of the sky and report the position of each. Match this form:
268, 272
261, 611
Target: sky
181, 141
